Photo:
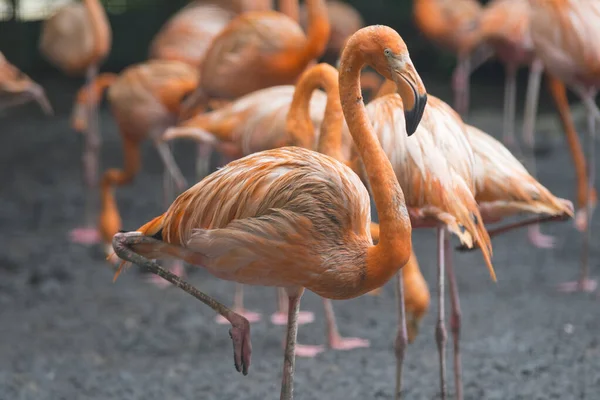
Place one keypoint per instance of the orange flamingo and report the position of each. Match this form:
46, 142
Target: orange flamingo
436, 170
144, 100
76, 39
344, 20
563, 33
292, 217
450, 25
18, 88
187, 35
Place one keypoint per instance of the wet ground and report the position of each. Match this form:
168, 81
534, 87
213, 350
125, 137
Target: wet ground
68, 332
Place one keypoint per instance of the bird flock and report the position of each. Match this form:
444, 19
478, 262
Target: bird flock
302, 153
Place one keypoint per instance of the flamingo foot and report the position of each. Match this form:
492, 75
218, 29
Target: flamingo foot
304, 317
161, 283
86, 236
539, 240
341, 343
251, 316
308, 351
585, 285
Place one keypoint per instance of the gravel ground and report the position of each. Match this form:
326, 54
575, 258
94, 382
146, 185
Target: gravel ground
67, 332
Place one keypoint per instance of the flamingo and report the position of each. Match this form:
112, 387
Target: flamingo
504, 25
76, 39
292, 217
187, 35
144, 99
449, 23
563, 33
436, 170
17, 88
344, 20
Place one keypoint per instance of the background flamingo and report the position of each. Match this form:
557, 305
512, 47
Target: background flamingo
76, 39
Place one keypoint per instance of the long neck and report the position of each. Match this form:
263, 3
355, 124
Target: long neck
110, 220
290, 8
100, 28
395, 228
318, 29
299, 123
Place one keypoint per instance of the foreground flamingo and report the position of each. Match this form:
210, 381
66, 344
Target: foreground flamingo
76, 39
563, 33
144, 100
274, 223
17, 88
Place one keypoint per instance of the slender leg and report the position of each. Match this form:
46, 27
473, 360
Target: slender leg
455, 320
89, 234
165, 154
585, 284
335, 340
536, 237
238, 307
401, 336
289, 359
479, 57
440, 329
510, 100
460, 83
280, 317
240, 327
203, 160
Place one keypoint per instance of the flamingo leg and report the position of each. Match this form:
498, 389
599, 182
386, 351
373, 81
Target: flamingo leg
204, 150
238, 307
455, 320
510, 101
535, 236
460, 82
585, 284
335, 340
479, 57
289, 359
240, 327
88, 234
401, 342
440, 329
165, 154
280, 317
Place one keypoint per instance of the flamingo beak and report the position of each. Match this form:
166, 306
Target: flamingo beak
414, 97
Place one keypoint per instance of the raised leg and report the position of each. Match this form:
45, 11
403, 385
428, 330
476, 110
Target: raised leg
585, 284
240, 327
455, 320
401, 342
88, 234
238, 307
289, 359
440, 329
280, 317
335, 340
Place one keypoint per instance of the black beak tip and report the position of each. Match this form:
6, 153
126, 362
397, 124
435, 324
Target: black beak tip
413, 117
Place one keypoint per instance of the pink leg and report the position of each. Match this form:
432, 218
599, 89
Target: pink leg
238, 308
510, 100
289, 359
440, 329
455, 320
84, 235
585, 284
401, 337
336, 341
280, 317
460, 83
538, 239
176, 268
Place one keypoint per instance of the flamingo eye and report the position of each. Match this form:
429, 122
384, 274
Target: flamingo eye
387, 52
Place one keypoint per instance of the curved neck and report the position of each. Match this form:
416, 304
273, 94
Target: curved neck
299, 123
290, 8
100, 28
395, 228
318, 29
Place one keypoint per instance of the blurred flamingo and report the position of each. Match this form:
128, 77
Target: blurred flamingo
292, 217
144, 99
563, 33
76, 39
449, 24
18, 88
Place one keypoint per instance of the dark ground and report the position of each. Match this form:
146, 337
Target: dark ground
68, 332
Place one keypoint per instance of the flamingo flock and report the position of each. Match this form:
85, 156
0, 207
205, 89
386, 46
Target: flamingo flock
302, 152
